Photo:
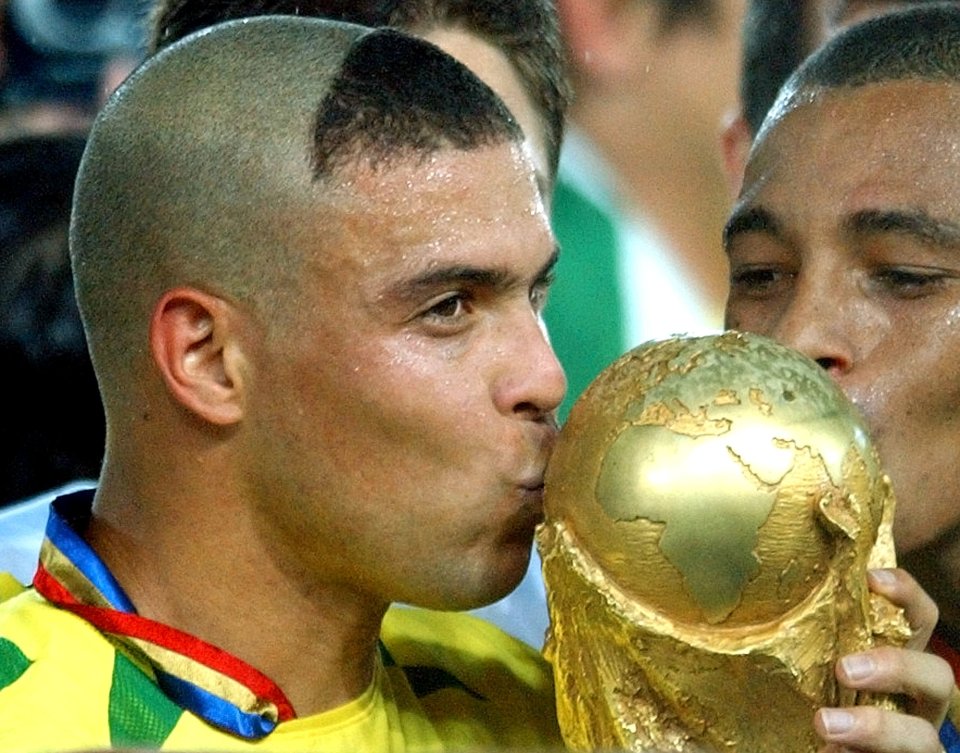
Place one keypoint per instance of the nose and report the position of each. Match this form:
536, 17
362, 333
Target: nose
531, 383
817, 322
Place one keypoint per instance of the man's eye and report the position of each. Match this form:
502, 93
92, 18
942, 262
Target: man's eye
538, 296
755, 281
450, 307
908, 283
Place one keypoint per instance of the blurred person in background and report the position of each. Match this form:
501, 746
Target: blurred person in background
641, 196
60, 59
59, 62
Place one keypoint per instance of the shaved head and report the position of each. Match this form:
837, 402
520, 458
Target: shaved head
200, 166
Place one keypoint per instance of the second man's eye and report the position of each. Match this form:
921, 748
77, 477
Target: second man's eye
909, 282
755, 281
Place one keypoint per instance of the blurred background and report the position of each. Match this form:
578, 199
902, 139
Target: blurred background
59, 61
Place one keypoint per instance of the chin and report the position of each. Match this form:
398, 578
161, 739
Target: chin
500, 580
511, 576
477, 577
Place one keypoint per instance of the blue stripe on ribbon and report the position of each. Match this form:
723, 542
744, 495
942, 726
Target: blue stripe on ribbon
213, 709
949, 737
80, 554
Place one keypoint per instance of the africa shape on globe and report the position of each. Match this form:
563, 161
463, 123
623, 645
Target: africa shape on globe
711, 477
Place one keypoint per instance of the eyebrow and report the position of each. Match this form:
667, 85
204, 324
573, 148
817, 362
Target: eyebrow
496, 278
750, 220
916, 224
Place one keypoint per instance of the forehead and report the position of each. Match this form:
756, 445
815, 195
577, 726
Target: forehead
411, 184
902, 136
453, 202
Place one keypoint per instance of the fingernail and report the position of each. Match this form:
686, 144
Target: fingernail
836, 721
858, 666
883, 577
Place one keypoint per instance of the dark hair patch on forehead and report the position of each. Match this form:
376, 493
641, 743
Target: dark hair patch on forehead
527, 32
396, 96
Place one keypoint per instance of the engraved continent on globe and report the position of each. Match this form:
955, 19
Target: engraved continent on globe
711, 509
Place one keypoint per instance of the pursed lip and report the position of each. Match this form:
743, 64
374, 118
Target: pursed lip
530, 484
529, 511
533, 493
531, 498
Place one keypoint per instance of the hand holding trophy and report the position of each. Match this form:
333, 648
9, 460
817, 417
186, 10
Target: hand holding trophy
712, 508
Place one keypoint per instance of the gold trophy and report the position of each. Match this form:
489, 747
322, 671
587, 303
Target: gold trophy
712, 507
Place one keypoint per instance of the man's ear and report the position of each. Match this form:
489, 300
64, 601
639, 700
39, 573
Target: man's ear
735, 143
195, 345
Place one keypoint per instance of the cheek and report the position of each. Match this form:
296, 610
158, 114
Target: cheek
303, 395
405, 403
923, 377
750, 316
914, 411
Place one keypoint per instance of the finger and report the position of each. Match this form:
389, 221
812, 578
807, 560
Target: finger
925, 679
874, 730
903, 590
831, 748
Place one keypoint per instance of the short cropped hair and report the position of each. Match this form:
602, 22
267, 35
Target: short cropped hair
921, 43
395, 96
777, 36
527, 31
202, 163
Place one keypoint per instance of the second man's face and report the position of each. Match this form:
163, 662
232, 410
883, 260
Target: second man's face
845, 244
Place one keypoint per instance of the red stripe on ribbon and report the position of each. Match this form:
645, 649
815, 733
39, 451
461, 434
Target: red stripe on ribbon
135, 626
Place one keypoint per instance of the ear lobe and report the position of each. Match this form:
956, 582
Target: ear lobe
194, 346
735, 143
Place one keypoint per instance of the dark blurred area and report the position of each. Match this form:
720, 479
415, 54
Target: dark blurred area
59, 61
53, 429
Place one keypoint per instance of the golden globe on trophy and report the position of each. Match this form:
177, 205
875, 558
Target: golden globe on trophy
712, 507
